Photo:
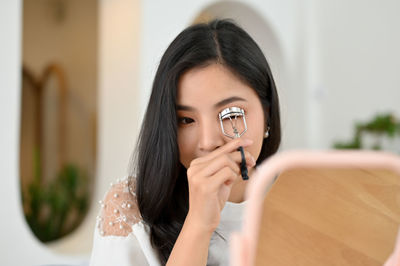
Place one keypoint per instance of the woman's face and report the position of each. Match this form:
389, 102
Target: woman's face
202, 94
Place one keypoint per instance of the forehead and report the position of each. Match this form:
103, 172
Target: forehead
209, 84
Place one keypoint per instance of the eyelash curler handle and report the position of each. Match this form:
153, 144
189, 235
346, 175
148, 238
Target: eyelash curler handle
243, 167
227, 113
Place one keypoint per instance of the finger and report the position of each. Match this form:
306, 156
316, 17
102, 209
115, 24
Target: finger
223, 177
232, 160
237, 157
227, 148
210, 168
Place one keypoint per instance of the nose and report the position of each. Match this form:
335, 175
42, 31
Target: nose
211, 136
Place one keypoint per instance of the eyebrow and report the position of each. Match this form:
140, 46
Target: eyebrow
217, 105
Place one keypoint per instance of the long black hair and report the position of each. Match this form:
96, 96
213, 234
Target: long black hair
161, 181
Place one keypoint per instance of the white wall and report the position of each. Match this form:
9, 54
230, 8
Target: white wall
359, 62
9, 76
119, 88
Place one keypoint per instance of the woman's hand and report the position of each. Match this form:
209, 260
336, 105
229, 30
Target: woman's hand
211, 178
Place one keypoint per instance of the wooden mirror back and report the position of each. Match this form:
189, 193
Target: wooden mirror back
330, 216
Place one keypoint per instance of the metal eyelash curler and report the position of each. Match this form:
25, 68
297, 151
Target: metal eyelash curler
230, 125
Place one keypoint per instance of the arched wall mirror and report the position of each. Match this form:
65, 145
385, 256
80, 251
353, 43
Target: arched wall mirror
256, 25
58, 114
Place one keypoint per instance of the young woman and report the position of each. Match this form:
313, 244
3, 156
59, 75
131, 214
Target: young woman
188, 193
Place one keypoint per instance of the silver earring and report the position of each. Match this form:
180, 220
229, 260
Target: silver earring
266, 134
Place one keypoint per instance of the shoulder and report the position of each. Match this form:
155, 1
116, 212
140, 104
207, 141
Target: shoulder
119, 209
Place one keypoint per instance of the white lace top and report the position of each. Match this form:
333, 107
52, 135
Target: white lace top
121, 238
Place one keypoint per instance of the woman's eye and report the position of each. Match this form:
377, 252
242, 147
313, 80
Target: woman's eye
185, 120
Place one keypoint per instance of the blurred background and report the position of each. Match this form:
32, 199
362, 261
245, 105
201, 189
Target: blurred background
75, 77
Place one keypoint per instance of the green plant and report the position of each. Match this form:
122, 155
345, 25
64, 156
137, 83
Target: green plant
380, 125
56, 208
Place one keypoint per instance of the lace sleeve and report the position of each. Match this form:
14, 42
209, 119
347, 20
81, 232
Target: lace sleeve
119, 209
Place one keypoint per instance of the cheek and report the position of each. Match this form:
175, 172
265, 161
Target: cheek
256, 133
187, 145
257, 137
